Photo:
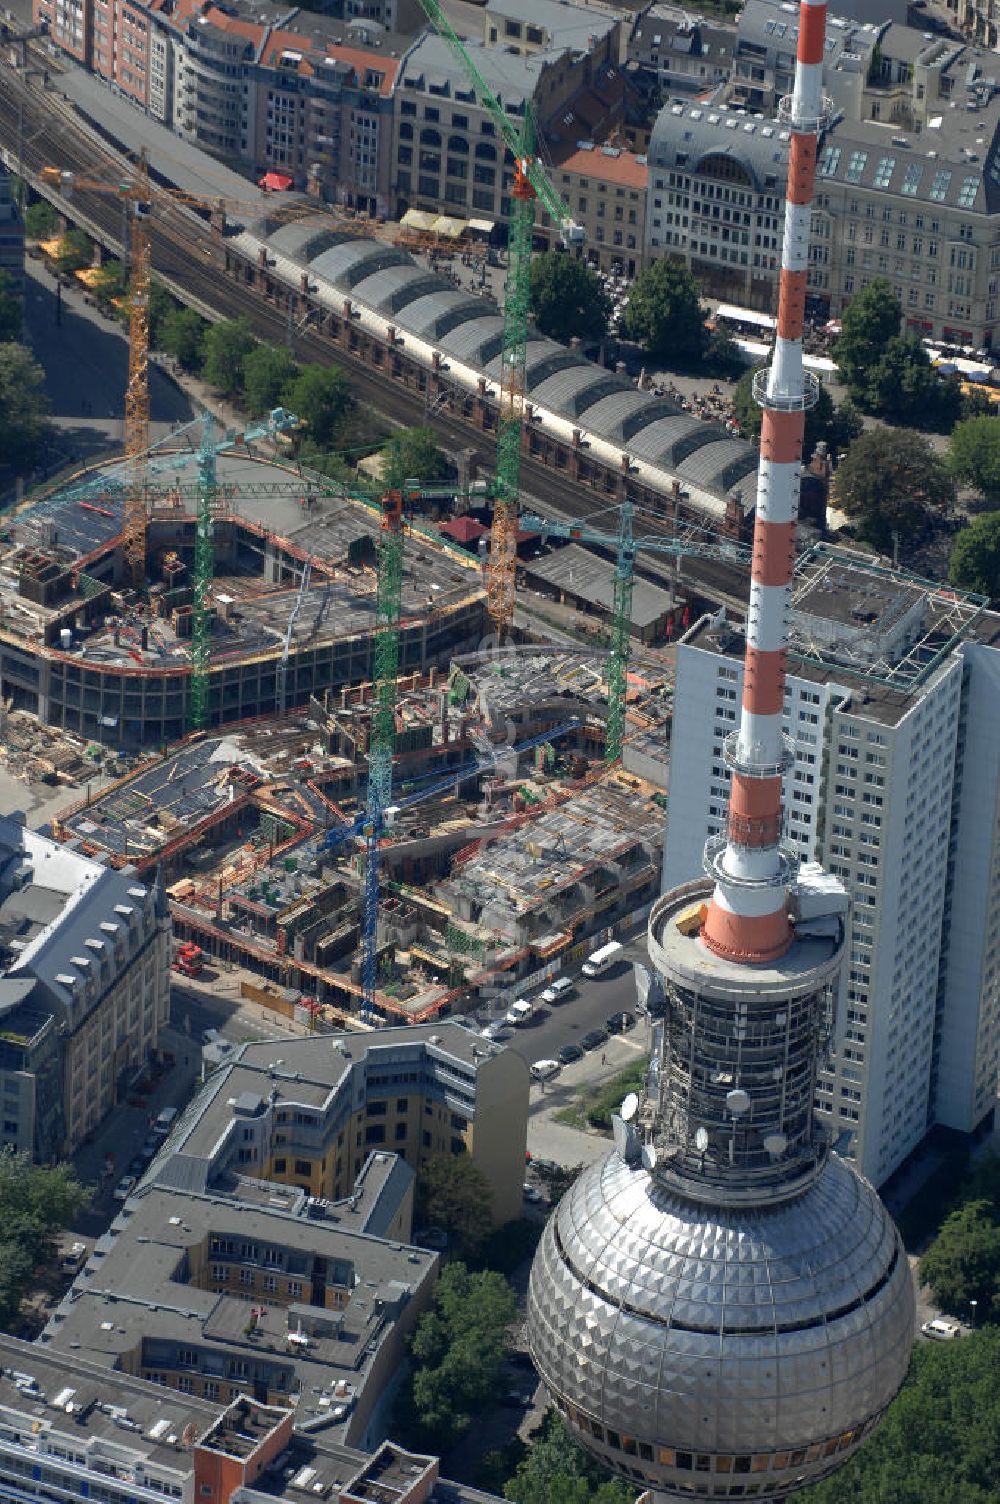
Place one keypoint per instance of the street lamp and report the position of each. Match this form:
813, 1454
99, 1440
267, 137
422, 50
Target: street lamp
972, 1305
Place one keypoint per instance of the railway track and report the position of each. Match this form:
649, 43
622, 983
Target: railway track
185, 255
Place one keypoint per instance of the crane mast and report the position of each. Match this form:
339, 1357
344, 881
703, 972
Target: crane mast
137, 391
531, 185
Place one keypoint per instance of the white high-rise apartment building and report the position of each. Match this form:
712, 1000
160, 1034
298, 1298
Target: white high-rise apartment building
893, 705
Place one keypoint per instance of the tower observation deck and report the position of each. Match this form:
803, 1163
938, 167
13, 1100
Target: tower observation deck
723, 1308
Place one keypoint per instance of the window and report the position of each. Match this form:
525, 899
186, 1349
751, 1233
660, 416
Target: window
883, 173
279, 1166
967, 192
911, 179
303, 1167
829, 161
856, 166
400, 1132
940, 185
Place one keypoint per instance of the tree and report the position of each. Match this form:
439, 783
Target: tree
226, 346
35, 1202
414, 454
938, 1441
819, 418
664, 314
182, 334
110, 284
268, 372
75, 252
454, 1194
160, 305
556, 1471
892, 482
903, 385
870, 320
963, 1262
24, 406
974, 455
11, 309
320, 396
40, 221
568, 298
975, 558
845, 426
457, 1350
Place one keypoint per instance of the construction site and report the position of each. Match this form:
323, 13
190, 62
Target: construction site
508, 842
292, 599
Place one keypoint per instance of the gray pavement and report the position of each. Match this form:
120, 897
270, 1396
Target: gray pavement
85, 359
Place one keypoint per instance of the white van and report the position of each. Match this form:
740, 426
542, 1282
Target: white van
519, 1012
165, 1121
602, 960
560, 989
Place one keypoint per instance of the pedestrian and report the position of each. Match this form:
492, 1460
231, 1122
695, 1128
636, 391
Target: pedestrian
604, 1057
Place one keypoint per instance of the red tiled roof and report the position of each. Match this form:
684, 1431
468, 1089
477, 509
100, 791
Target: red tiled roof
624, 168
464, 529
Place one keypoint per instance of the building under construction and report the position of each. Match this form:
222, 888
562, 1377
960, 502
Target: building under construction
258, 832
86, 653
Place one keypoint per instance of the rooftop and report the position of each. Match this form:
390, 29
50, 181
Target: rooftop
872, 626
608, 164
576, 27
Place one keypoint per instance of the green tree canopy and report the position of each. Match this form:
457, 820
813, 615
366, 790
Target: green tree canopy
974, 455
36, 1201
893, 482
568, 298
110, 283
24, 406
975, 556
11, 309
454, 1194
40, 221
76, 251
940, 1440
268, 373
556, 1471
870, 320
226, 346
664, 314
902, 385
320, 397
963, 1262
160, 305
457, 1351
182, 334
414, 454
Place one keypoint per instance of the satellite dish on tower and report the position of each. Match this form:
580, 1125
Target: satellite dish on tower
649, 1157
737, 1102
776, 1144
701, 1140
630, 1107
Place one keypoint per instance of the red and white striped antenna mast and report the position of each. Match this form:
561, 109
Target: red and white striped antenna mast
747, 918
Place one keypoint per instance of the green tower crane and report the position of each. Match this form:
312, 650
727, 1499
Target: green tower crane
626, 545
531, 184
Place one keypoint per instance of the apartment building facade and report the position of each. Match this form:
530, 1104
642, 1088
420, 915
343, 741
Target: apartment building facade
88, 949
876, 794
685, 53
604, 188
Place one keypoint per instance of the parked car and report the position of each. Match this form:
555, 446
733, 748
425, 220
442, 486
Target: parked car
544, 1070
498, 1031
594, 1039
569, 1053
519, 1012
149, 1148
620, 1022
531, 1193
558, 991
124, 1188
942, 1329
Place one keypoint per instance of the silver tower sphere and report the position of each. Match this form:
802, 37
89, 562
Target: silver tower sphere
722, 1308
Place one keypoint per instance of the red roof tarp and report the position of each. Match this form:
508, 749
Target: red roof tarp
277, 182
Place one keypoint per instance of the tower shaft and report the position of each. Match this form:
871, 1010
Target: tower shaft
747, 918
